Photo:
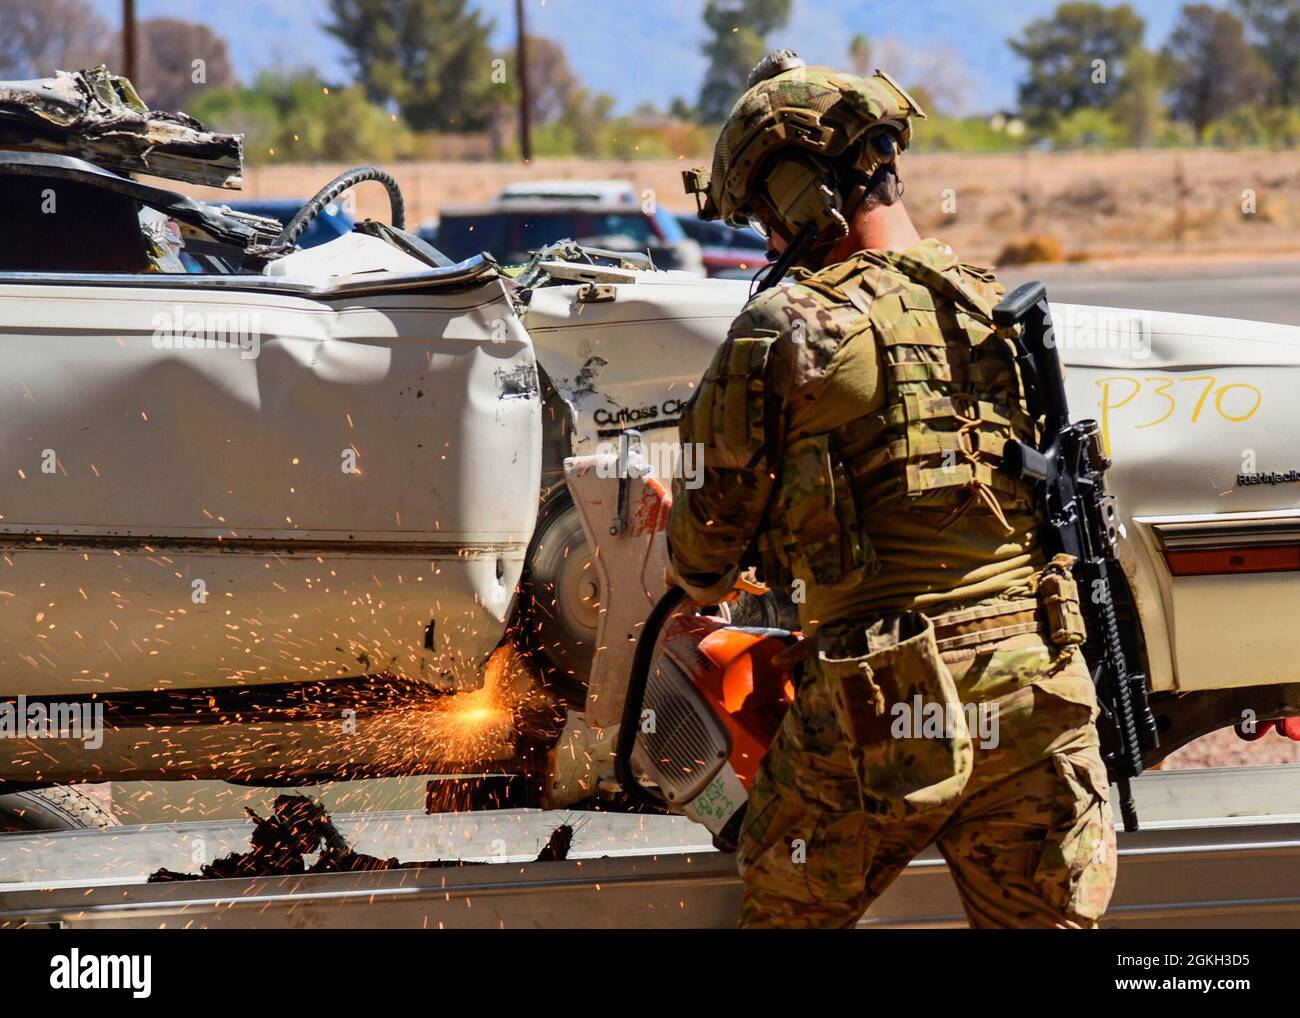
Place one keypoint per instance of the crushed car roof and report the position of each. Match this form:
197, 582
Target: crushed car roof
98, 116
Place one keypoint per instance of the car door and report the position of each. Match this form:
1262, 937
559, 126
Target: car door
221, 481
1201, 416
629, 355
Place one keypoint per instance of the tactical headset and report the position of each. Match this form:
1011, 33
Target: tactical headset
799, 188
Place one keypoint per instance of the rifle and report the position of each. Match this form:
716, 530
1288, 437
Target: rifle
1067, 473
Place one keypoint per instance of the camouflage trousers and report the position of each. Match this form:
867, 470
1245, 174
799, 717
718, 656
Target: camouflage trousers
1029, 839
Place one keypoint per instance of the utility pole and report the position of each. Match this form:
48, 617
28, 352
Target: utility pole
1180, 203
128, 41
525, 107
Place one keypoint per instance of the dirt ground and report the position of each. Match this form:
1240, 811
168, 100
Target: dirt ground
1093, 204
1224, 749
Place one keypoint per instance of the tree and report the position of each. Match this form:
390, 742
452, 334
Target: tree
178, 61
1086, 127
297, 117
583, 116
739, 28
39, 37
429, 57
937, 77
860, 55
571, 117
1139, 110
1276, 25
1214, 69
1076, 59
551, 81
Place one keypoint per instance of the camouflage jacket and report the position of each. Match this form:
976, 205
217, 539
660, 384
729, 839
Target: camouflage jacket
805, 365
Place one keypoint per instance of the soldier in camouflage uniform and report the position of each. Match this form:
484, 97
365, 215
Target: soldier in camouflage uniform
852, 425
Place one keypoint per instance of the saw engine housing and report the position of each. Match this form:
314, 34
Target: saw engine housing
695, 701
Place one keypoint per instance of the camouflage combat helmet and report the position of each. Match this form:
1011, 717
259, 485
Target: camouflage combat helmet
822, 119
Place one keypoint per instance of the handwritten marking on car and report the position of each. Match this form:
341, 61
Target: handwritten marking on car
1229, 407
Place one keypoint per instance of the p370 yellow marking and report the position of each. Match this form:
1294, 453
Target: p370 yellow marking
1167, 393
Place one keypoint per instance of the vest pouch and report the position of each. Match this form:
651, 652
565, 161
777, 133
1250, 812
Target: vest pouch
1058, 593
897, 707
821, 525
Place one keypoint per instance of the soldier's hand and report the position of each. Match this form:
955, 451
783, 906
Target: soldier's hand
749, 582
671, 579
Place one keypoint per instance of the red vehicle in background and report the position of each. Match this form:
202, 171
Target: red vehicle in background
728, 253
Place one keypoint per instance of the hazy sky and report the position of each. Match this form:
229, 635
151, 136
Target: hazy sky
649, 50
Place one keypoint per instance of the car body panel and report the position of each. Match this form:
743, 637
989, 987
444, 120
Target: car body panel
1192, 407
321, 483
630, 362
99, 116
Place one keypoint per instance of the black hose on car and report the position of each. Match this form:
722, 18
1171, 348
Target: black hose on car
330, 192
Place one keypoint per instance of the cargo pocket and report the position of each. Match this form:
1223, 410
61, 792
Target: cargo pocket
763, 838
1076, 871
820, 517
838, 856
898, 709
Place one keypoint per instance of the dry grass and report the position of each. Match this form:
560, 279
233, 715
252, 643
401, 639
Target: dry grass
1043, 247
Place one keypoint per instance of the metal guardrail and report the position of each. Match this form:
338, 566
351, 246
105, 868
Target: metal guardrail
1238, 866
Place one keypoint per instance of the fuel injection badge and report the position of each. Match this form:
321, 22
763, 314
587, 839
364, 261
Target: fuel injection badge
1268, 477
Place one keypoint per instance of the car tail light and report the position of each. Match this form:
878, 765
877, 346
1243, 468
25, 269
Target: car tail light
1279, 558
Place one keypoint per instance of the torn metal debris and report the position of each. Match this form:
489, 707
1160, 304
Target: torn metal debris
98, 116
299, 826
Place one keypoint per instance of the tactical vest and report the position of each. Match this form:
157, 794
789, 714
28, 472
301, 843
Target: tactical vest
952, 400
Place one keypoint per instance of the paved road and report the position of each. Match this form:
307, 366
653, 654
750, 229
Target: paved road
1266, 292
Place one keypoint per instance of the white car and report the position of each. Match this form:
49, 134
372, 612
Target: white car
274, 516
599, 192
